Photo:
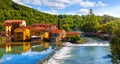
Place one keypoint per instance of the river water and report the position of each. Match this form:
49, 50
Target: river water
98, 53
29, 57
93, 51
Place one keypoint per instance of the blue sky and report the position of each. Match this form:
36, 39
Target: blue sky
79, 7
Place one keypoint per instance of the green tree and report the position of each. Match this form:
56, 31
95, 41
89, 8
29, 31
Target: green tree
108, 27
90, 22
115, 45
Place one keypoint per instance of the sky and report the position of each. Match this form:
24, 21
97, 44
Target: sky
73, 7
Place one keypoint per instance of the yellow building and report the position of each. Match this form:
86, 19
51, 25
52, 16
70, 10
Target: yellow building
21, 34
46, 34
11, 25
39, 31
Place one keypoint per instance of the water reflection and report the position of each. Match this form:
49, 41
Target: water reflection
29, 57
19, 47
8, 47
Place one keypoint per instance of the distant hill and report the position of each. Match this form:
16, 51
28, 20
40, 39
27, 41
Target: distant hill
12, 10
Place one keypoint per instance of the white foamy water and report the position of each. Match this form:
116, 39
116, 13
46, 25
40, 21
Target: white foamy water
78, 52
93, 44
59, 56
87, 44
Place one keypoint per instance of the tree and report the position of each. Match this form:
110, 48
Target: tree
115, 45
90, 22
91, 12
109, 27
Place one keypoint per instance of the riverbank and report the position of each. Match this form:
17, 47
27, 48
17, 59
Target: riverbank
98, 35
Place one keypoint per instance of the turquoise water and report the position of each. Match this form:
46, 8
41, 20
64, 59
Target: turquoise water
29, 57
83, 54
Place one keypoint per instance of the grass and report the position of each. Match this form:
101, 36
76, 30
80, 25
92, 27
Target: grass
80, 41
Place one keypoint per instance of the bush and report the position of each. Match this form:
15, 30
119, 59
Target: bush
73, 38
115, 49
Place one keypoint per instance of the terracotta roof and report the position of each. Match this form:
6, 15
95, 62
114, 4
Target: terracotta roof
37, 28
72, 33
28, 27
9, 22
56, 31
20, 29
43, 25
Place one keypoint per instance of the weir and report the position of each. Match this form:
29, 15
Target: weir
87, 44
93, 51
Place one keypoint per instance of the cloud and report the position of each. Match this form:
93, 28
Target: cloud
19, 2
34, 2
60, 4
113, 11
87, 4
54, 4
83, 12
51, 12
101, 4
22, 3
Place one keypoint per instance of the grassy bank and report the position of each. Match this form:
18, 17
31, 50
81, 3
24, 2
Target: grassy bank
101, 36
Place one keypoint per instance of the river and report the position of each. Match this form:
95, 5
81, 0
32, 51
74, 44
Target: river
93, 51
28, 57
90, 54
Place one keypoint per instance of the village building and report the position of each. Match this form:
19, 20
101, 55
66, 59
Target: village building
39, 32
11, 25
28, 27
57, 35
71, 34
46, 26
21, 34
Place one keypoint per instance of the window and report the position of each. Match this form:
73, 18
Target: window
38, 32
18, 37
18, 33
55, 35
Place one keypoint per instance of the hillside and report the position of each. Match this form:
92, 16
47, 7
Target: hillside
86, 23
12, 10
